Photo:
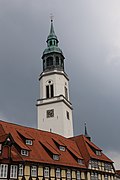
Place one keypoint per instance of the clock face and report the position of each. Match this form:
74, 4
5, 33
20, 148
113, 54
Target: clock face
50, 113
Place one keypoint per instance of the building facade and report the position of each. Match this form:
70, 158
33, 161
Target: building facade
31, 154
54, 107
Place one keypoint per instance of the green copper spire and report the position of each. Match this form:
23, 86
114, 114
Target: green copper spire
53, 58
52, 35
52, 42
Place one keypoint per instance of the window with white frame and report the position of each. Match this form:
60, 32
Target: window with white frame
61, 148
20, 170
80, 161
28, 142
107, 166
13, 171
94, 176
58, 173
98, 153
106, 177
78, 175
34, 171
55, 157
94, 164
3, 170
68, 174
46, 172
24, 152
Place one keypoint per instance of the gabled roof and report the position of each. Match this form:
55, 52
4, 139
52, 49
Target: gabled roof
87, 149
46, 144
43, 146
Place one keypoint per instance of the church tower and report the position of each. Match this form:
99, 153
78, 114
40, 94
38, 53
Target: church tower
54, 109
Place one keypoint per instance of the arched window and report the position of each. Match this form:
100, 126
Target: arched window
49, 90
50, 43
49, 61
57, 60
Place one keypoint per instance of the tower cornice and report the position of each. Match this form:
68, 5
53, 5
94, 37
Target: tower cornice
47, 73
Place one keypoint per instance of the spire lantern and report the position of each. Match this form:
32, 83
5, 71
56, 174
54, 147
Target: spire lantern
52, 56
52, 38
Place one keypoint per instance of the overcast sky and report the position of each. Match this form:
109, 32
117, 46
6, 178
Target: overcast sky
89, 35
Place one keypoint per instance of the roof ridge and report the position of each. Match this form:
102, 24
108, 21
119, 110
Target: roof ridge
24, 126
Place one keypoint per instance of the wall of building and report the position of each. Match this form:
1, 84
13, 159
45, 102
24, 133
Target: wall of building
46, 172
58, 80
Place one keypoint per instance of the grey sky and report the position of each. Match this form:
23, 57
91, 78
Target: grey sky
89, 35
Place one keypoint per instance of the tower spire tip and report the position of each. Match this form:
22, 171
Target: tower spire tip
51, 17
86, 133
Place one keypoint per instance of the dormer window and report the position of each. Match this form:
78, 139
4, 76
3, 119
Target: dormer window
28, 142
80, 161
56, 157
24, 152
61, 148
98, 153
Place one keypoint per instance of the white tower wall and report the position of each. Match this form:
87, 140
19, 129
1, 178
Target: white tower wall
54, 109
58, 124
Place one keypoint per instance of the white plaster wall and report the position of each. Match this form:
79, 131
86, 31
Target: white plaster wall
59, 123
59, 82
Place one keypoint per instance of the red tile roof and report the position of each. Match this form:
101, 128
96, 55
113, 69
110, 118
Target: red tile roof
43, 147
46, 144
87, 149
118, 172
